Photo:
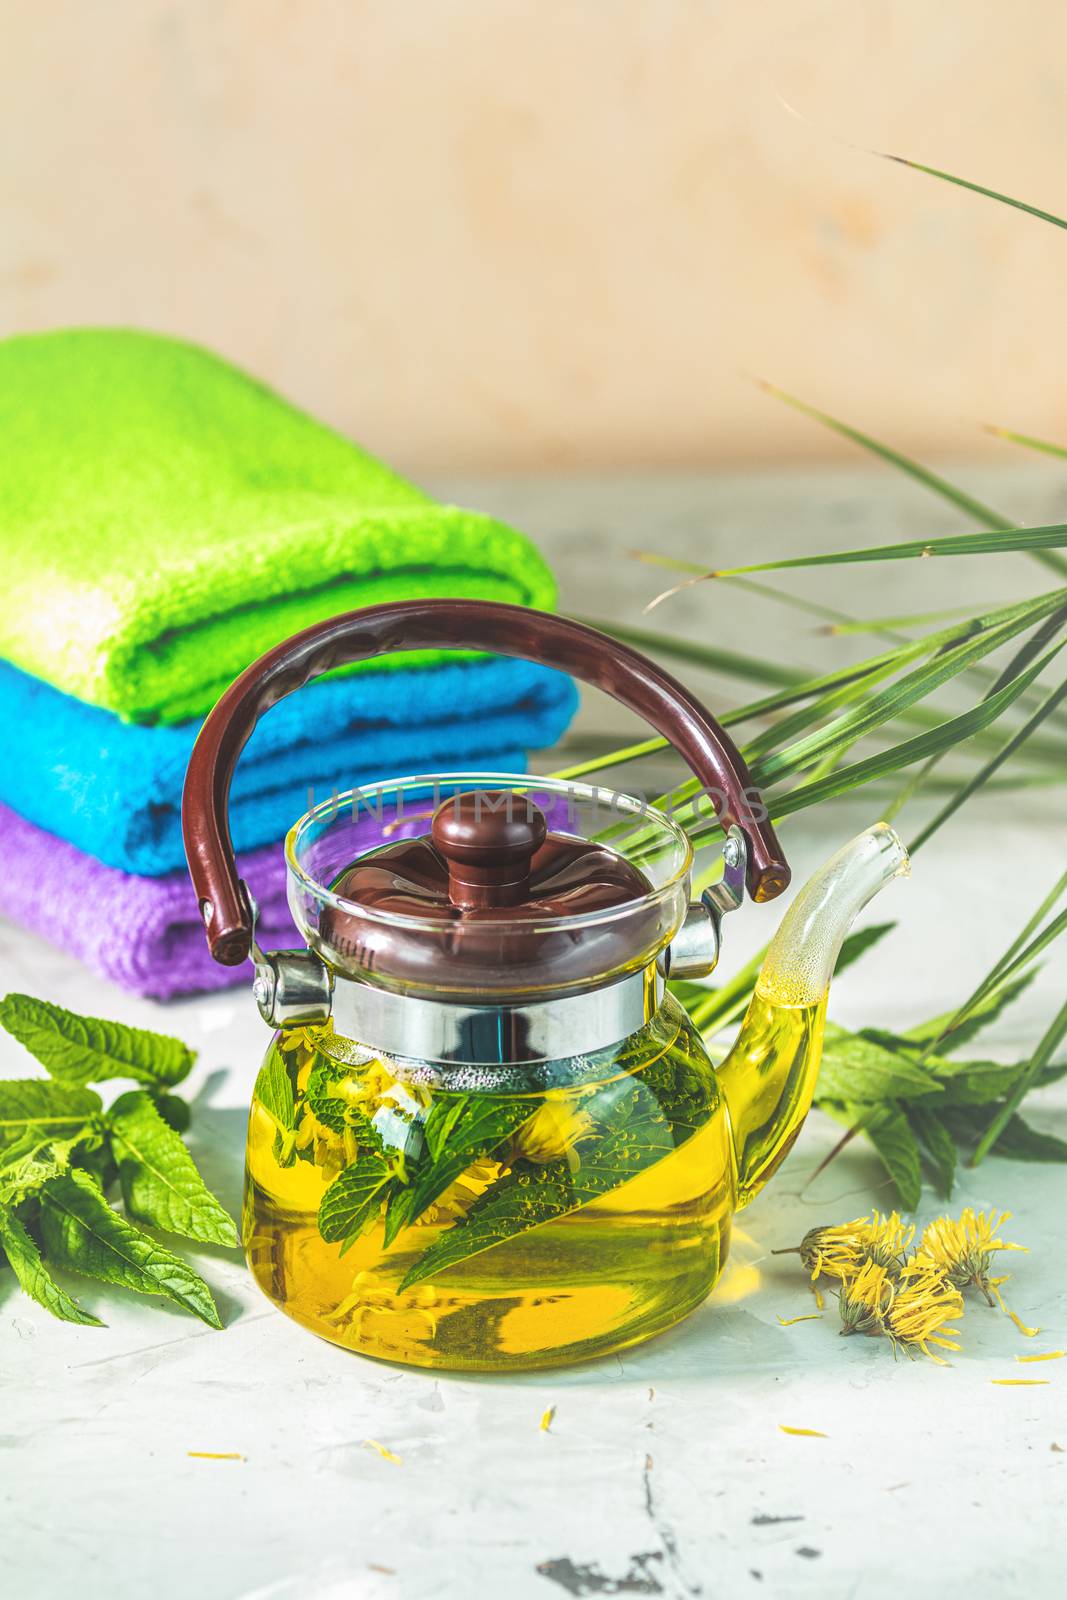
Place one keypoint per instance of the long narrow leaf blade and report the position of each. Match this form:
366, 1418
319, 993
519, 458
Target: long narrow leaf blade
975, 188
982, 776
1029, 442
1022, 952
1052, 537
903, 754
1055, 1033
83, 1233
34, 1277
985, 516
160, 1182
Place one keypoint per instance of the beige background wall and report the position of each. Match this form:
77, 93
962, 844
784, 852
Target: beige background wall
497, 233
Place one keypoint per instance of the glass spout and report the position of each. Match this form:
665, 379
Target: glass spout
768, 1078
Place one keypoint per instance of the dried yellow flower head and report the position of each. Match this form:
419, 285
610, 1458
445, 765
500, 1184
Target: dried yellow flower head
963, 1251
887, 1242
840, 1252
835, 1252
914, 1301
922, 1307
865, 1300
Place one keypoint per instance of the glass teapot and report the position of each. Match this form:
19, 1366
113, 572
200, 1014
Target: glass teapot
485, 1136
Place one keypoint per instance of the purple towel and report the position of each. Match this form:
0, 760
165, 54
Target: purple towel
144, 934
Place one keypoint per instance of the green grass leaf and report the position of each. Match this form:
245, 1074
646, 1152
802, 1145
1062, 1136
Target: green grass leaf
1050, 1042
1021, 954
730, 663
975, 188
948, 1035
160, 1182
951, 732
1044, 446
984, 515
857, 721
951, 1036
82, 1232
1017, 1141
997, 542
34, 1277
83, 1050
985, 772
353, 1197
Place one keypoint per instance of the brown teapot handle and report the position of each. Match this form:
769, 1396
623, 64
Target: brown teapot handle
449, 624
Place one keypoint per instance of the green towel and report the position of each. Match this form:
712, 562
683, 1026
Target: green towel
164, 519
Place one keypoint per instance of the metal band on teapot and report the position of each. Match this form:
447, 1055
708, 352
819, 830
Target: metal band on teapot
436, 1030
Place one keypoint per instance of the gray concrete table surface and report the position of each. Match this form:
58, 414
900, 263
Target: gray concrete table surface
665, 1471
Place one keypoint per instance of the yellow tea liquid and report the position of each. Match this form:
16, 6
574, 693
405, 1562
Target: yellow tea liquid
602, 1216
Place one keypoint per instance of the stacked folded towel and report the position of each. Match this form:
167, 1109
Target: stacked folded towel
163, 521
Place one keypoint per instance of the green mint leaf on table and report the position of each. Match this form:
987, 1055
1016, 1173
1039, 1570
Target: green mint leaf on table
979, 1083
34, 1114
353, 1198
531, 1194
938, 1146
1018, 1140
175, 1111
34, 1277
81, 1050
80, 1231
888, 1130
160, 1183
855, 1068
21, 1176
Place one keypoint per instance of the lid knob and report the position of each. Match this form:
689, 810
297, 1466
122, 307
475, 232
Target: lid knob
488, 837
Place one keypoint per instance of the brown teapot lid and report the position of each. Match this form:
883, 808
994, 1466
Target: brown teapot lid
489, 901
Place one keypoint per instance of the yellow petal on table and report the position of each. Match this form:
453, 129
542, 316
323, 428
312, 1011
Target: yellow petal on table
787, 1322
546, 1419
1020, 1383
1050, 1355
215, 1455
803, 1433
386, 1455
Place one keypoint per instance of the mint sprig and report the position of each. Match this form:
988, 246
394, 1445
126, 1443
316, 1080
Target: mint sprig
81, 1231
81, 1050
160, 1183
61, 1149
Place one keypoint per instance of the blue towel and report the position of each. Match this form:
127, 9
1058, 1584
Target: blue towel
113, 788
